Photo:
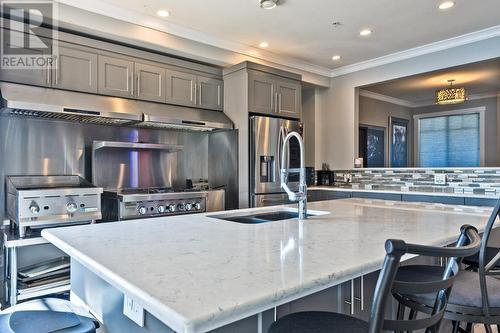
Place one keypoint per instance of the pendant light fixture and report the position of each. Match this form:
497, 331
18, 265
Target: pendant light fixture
451, 95
268, 4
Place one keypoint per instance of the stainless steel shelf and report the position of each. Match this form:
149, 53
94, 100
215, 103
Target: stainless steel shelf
27, 294
137, 145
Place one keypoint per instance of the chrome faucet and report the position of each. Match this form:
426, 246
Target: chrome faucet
301, 196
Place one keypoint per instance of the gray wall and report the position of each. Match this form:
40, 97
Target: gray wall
491, 128
376, 113
37, 146
309, 123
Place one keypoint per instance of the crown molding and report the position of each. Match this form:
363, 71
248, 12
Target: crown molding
420, 50
155, 23
385, 98
409, 104
152, 22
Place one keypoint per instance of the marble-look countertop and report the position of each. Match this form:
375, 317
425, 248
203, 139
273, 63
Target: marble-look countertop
196, 273
349, 188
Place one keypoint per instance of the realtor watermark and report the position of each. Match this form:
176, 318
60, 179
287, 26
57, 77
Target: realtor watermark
28, 34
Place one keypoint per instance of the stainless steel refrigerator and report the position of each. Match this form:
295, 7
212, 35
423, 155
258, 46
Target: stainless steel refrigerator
266, 141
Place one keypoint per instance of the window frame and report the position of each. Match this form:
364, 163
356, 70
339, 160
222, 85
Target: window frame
482, 135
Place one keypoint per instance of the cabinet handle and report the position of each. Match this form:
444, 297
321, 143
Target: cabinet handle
279, 103
195, 99
350, 301
138, 78
276, 102
49, 79
199, 94
132, 84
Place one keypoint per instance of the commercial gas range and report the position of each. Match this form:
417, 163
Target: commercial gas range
125, 204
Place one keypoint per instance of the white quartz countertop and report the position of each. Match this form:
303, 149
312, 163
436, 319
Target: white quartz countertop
196, 273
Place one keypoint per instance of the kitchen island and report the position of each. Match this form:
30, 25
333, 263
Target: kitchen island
196, 273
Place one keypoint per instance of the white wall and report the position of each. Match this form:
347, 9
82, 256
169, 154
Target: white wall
337, 136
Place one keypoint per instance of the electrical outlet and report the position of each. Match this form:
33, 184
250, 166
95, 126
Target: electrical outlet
133, 310
440, 179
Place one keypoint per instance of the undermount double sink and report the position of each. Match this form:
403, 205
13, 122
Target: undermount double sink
263, 216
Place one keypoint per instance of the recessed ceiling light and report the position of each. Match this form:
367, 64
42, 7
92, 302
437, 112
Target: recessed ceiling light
162, 13
365, 32
446, 5
336, 57
268, 4
264, 45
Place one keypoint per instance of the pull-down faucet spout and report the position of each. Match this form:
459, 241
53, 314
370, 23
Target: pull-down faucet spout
301, 196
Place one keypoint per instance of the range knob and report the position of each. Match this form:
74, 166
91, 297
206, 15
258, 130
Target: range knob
71, 207
34, 209
189, 206
171, 208
161, 209
142, 210
181, 206
197, 205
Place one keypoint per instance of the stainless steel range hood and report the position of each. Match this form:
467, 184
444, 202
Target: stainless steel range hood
22, 100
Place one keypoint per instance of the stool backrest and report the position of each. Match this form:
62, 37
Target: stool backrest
468, 244
488, 267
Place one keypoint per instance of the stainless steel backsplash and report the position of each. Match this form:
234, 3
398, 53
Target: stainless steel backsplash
40, 147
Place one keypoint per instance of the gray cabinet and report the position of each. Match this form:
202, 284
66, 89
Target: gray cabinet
210, 92
289, 103
261, 93
193, 90
434, 199
324, 195
150, 82
271, 94
76, 69
116, 76
38, 77
180, 88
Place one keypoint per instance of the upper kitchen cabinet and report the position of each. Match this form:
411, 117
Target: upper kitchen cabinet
38, 76
265, 90
150, 82
180, 88
116, 76
76, 69
210, 92
194, 90
261, 92
289, 100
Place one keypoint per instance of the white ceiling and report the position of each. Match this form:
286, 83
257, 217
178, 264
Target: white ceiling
478, 78
302, 29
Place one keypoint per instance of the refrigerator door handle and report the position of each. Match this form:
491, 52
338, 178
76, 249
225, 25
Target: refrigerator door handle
278, 154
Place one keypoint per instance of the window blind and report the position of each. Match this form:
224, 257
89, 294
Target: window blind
450, 141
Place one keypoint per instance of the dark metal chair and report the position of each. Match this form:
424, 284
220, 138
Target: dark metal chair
323, 322
476, 295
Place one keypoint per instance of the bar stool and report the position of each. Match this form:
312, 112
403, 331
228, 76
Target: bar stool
46, 315
476, 295
329, 322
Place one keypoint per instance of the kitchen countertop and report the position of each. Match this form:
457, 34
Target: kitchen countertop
442, 194
196, 273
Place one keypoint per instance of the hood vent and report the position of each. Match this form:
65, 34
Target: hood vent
47, 103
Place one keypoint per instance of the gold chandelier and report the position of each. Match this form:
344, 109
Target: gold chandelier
451, 95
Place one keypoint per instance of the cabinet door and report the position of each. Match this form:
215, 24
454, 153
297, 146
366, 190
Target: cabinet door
38, 77
289, 98
150, 85
76, 69
180, 88
210, 93
261, 93
116, 77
